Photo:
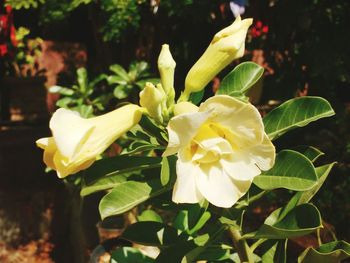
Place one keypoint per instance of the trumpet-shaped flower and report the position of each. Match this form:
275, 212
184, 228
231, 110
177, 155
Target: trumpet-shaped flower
221, 147
76, 142
227, 45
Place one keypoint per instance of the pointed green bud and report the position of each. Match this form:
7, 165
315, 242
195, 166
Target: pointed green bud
166, 66
226, 46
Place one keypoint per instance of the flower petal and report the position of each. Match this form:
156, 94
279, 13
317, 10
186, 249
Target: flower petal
185, 189
182, 129
242, 119
49, 146
264, 154
108, 128
218, 188
240, 166
69, 131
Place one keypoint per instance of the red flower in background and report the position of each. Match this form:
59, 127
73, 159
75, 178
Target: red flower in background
259, 29
7, 31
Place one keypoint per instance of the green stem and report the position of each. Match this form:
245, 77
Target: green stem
319, 241
243, 250
257, 243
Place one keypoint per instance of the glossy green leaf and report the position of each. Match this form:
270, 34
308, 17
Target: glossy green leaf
150, 215
120, 71
103, 183
274, 251
129, 255
127, 195
309, 152
118, 165
295, 113
215, 254
240, 79
322, 174
292, 170
333, 252
152, 234
192, 218
168, 170
299, 221
121, 92
197, 97
116, 80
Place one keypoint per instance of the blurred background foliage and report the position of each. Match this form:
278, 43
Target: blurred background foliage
303, 45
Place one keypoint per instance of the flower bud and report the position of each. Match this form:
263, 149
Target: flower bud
152, 98
227, 45
166, 66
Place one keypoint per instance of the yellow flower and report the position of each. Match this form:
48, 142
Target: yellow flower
221, 147
227, 45
76, 142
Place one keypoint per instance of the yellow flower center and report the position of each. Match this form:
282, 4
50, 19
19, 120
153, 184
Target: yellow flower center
211, 143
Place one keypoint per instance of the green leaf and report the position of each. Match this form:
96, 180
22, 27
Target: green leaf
129, 255
240, 79
310, 152
292, 171
82, 80
86, 111
168, 171
116, 80
151, 234
103, 183
61, 90
274, 251
197, 97
299, 221
295, 113
118, 165
322, 174
97, 80
333, 252
138, 147
192, 218
121, 92
215, 254
120, 71
150, 215
127, 195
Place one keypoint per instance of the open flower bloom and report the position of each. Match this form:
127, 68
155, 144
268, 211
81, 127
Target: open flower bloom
227, 45
76, 142
221, 147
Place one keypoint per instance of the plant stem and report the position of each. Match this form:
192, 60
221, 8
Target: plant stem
243, 250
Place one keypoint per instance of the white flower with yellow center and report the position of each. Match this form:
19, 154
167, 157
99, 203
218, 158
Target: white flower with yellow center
221, 147
76, 142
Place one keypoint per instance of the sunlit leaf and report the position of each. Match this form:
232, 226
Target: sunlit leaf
333, 252
129, 255
310, 152
150, 215
295, 113
127, 195
151, 234
301, 220
240, 79
292, 170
